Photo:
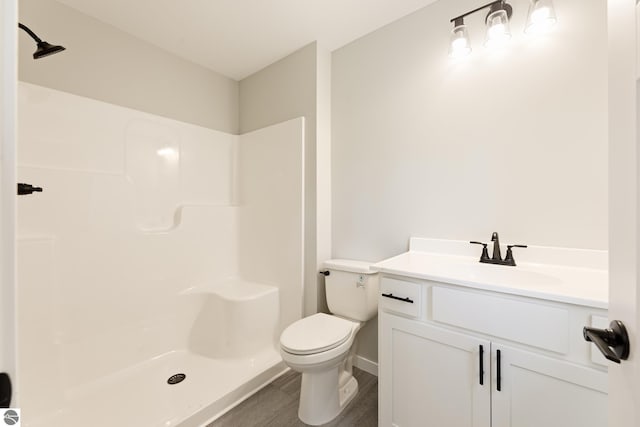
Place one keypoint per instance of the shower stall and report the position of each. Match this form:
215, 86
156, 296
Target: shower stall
157, 268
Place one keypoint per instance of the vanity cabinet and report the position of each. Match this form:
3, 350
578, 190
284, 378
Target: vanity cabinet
431, 377
536, 390
450, 356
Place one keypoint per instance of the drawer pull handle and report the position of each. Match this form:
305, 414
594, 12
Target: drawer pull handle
481, 365
407, 299
499, 371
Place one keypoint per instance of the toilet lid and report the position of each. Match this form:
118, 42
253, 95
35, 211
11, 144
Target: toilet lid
315, 334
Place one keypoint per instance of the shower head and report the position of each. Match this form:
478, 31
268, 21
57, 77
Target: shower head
44, 48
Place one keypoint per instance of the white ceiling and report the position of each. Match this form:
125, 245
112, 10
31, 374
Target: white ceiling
239, 37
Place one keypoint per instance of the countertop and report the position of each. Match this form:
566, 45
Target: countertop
562, 283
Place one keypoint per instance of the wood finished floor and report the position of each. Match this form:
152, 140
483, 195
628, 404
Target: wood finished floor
276, 405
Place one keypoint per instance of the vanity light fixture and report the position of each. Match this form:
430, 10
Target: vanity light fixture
541, 16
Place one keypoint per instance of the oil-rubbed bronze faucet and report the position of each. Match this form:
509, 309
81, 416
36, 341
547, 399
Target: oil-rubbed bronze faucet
497, 256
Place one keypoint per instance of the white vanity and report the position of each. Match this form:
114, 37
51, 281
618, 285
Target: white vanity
464, 344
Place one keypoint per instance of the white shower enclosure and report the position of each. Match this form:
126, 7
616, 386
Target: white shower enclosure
157, 248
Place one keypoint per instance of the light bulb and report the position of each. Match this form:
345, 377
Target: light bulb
498, 31
541, 17
497, 28
460, 45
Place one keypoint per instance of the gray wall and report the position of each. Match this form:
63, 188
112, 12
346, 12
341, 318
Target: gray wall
514, 142
104, 63
282, 91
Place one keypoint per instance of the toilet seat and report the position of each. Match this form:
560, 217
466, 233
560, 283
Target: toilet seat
316, 334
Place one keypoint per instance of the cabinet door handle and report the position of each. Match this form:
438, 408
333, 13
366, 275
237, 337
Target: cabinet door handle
407, 299
498, 373
481, 365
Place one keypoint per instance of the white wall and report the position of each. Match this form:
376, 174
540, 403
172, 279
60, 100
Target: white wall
271, 212
513, 141
104, 63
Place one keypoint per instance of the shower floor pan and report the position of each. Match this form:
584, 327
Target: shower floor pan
140, 396
231, 352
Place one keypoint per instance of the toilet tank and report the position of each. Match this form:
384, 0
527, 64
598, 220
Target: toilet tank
352, 289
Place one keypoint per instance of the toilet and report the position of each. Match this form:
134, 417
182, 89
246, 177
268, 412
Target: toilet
321, 346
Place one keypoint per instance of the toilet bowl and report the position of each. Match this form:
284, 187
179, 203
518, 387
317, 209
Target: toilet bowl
321, 346
318, 346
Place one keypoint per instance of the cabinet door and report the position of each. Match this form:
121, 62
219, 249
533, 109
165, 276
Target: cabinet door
539, 391
431, 377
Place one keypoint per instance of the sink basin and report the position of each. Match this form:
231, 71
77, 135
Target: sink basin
497, 275
500, 275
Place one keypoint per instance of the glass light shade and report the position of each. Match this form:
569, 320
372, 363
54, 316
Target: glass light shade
498, 31
541, 17
460, 45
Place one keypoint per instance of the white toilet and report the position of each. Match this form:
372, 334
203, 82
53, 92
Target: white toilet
321, 346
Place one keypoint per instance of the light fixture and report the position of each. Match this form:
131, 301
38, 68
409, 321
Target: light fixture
44, 48
541, 17
497, 21
460, 44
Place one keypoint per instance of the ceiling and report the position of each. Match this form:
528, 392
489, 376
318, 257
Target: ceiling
239, 37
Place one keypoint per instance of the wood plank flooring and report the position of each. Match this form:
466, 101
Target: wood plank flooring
276, 405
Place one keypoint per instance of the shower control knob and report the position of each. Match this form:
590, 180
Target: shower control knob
24, 189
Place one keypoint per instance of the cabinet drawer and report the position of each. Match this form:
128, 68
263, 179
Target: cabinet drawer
399, 296
537, 325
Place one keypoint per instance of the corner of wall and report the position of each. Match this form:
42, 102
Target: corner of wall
285, 90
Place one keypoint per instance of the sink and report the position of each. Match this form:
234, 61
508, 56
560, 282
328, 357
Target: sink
497, 275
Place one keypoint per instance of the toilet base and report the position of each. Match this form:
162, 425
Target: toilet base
348, 392
324, 395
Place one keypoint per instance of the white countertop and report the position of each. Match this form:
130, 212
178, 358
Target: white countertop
573, 284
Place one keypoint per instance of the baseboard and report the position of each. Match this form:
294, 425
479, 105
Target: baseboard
366, 365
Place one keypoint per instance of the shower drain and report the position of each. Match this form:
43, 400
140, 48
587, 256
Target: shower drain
176, 378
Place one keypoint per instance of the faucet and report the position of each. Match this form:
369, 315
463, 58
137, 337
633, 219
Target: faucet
497, 256
496, 247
